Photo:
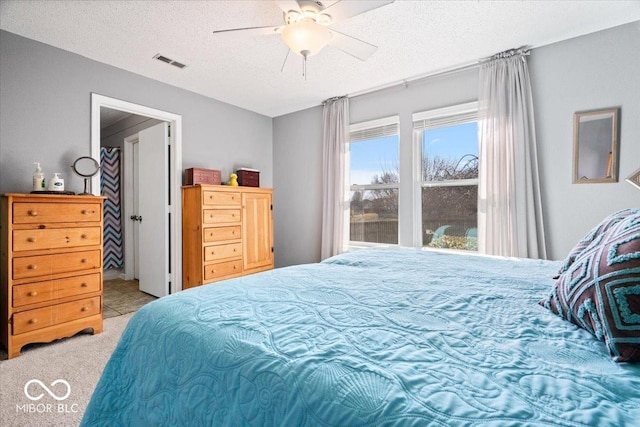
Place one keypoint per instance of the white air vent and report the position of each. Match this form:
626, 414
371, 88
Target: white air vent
169, 61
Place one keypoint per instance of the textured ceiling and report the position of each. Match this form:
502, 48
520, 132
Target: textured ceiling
414, 38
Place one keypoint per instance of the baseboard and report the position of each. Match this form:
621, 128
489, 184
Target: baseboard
112, 273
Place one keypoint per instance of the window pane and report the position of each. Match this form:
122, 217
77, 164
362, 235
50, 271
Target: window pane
450, 217
374, 161
374, 216
450, 152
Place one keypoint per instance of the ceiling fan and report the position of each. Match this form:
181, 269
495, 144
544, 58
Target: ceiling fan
305, 30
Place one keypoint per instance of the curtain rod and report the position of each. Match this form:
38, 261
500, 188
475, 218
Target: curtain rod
523, 50
405, 82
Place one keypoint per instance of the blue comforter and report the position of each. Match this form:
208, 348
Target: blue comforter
373, 337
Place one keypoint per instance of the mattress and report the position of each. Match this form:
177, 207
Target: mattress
372, 337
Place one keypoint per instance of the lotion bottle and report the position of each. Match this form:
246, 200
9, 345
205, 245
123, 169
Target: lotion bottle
38, 178
56, 183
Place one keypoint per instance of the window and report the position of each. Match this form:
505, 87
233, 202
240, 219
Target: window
447, 141
373, 176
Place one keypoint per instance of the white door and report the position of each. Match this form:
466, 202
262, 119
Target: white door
153, 208
136, 228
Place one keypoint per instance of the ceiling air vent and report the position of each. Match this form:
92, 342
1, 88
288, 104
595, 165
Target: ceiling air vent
169, 61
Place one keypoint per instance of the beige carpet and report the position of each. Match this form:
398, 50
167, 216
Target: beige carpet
78, 360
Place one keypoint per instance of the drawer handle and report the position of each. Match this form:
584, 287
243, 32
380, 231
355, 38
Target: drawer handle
85, 212
32, 293
234, 250
84, 309
33, 213
31, 267
235, 267
33, 321
31, 239
83, 260
83, 285
84, 236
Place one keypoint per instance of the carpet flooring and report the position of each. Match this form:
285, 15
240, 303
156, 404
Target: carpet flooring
78, 360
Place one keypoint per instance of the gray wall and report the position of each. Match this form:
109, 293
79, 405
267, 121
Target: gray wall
594, 71
45, 103
297, 178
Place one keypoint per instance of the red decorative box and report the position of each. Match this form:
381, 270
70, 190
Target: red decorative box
248, 177
194, 176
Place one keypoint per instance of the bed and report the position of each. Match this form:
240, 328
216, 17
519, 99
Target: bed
373, 337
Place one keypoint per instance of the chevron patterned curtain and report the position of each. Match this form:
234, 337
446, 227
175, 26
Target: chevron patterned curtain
110, 187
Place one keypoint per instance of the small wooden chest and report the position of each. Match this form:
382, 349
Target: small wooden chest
248, 177
194, 176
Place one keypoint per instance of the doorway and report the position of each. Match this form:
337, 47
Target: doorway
146, 209
172, 177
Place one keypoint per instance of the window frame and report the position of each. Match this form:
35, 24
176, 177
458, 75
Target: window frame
363, 127
433, 119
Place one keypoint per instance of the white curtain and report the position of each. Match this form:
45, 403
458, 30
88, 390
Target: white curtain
335, 130
509, 211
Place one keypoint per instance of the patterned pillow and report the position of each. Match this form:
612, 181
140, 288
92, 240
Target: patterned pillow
593, 237
600, 291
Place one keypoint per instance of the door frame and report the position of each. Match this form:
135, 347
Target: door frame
175, 170
127, 211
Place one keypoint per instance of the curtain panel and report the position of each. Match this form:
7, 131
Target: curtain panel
110, 187
335, 130
509, 207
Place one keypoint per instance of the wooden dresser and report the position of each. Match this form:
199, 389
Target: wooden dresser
50, 268
226, 232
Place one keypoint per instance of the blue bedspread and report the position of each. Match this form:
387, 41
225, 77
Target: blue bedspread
373, 337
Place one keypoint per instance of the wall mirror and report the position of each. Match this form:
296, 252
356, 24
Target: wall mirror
595, 146
634, 179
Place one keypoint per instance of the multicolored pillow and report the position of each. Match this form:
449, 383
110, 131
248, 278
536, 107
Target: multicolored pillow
593, 237
600, 291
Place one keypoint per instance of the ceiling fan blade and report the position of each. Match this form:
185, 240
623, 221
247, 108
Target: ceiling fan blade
351, 45
342, 9
287, 5
254, 31
285, 60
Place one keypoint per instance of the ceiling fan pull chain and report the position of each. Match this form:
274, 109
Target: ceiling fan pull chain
305, 54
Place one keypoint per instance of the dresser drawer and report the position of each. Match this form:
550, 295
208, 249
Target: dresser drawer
38, 213
221, 234
36, 292
43, 265
214, 253
48, 316
222, 269
220, 216
54, 238
221, 198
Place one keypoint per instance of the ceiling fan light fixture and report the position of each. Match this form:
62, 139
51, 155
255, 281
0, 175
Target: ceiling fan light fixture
306, 36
